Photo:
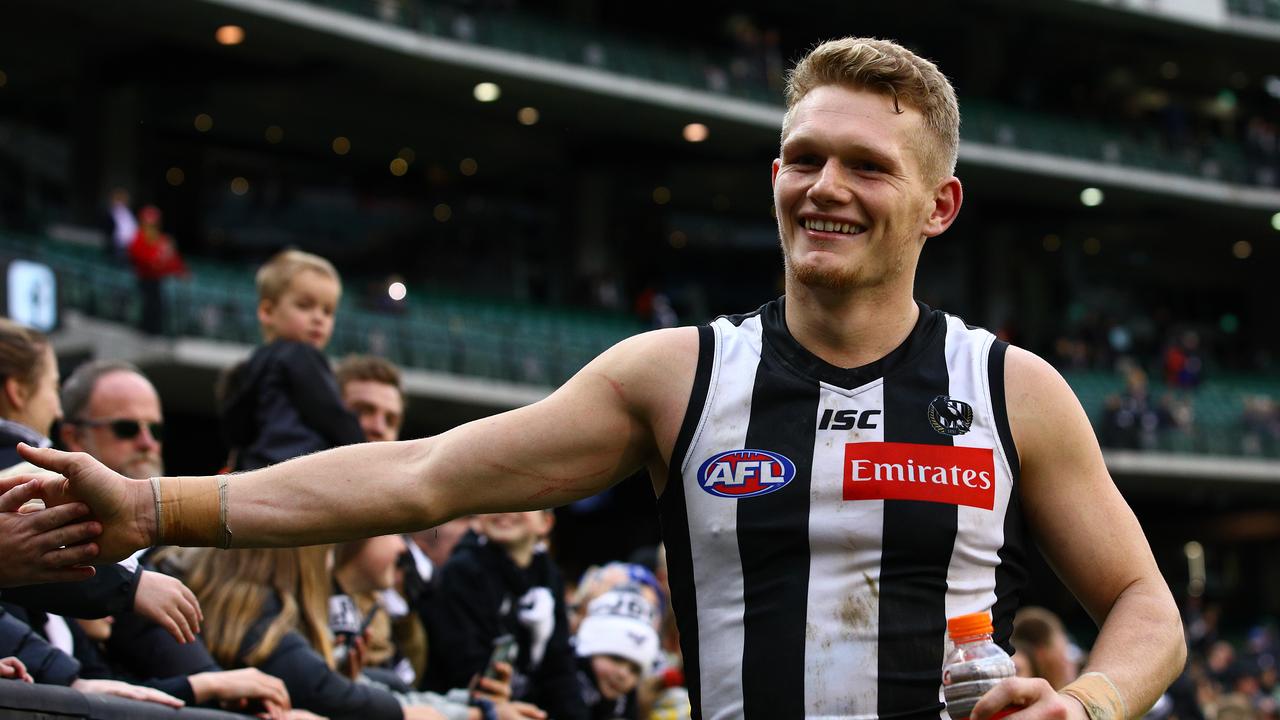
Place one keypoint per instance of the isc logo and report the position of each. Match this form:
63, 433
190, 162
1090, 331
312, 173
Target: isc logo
745, 473
848, 419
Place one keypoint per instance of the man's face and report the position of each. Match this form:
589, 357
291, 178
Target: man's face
129, 447
379, 407
851, 198
304, 312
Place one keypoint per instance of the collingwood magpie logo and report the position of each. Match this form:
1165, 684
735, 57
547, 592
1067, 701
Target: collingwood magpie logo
949, 416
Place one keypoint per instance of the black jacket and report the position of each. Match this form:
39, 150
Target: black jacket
478, 600
311, 684
46, 663
283, 402
12, 433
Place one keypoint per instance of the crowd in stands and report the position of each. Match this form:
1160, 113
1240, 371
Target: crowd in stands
469, 620
1161, 369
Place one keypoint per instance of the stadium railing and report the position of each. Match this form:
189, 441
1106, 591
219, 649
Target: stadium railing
24, 700
1262, 9
704, 70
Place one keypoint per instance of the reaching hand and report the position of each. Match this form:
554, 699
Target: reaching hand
235, 688
125, 508
12, 667
127, 691
43, 545
168, 603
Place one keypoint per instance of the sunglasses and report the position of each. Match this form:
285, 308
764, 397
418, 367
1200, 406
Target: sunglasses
126, 429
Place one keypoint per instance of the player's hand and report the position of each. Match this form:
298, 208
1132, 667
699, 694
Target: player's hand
12, 667
125, 508
127, 691
168, 603
519, 711
495, 689
49, 545
1036, 698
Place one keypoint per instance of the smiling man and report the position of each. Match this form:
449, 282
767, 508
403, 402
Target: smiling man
837, 472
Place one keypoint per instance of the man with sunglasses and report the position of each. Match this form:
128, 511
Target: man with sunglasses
113, 413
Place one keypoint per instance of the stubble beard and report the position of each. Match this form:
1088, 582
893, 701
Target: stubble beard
142, 468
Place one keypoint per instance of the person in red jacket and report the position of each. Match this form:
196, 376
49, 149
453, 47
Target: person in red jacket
154, 257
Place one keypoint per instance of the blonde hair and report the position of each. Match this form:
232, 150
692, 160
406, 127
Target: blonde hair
274, 276
887, 68
234, 586
22, 353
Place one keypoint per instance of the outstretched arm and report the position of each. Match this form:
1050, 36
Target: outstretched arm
596, 429
1093, 541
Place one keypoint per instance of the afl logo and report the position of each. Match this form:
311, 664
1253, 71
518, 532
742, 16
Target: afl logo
745, 473
950, 417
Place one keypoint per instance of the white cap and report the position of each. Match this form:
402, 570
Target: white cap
620, 622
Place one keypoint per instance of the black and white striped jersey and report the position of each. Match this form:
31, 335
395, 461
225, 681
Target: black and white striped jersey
822, 523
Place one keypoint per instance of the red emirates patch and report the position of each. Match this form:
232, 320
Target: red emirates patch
909, 471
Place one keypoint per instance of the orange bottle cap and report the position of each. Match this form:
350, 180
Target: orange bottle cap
970, 625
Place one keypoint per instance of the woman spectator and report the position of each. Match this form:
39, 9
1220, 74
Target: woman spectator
268, 609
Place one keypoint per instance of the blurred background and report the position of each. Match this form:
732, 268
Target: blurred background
510, 186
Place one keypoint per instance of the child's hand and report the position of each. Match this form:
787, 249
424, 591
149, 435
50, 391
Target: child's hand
355, 657
12, 667
495, 689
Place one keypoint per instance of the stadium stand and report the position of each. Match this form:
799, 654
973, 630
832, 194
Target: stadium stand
582, 211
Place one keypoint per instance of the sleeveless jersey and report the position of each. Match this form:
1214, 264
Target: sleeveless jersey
821, 524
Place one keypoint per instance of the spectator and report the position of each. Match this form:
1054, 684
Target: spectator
155, 257
371, 389
113, 413
116, 417
48, 664
121, 226
266, 609
230, 689
1043, 649
284, 402
499, 581
597, 581
1183, 364
617, 646
29, 405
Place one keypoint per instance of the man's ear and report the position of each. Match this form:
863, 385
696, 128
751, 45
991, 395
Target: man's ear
70, 438
947, 198
773, 172
548, 522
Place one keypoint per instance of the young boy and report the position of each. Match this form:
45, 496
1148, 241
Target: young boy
617, 646
283, 401
500, 581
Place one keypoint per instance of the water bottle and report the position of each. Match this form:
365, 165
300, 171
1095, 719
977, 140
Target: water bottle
975, 665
